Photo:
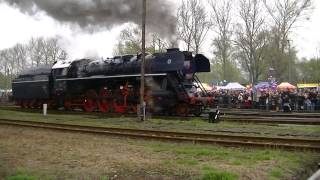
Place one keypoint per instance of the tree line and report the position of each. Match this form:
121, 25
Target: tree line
36, 52
248, 38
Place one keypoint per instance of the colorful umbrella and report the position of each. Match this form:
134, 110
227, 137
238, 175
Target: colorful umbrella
285, 86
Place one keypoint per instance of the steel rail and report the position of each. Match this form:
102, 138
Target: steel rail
269, 117
225, 140
273, 121
228, 118
282, 114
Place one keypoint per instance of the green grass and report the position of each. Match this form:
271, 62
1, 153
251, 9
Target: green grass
197, 156
191, 125
221, 153
213, 174
21, 175
219, 176
104, 178
277, 173
188, 161
236, 162
206, 162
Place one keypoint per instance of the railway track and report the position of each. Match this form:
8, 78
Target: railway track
256, 113
197, 138
229, 118
272, 120
98, 114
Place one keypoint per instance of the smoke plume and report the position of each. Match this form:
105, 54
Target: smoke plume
94, 15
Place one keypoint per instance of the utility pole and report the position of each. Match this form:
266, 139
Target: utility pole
142, 103
290, 62
318, 65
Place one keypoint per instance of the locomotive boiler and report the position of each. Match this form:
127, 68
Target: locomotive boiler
112, 85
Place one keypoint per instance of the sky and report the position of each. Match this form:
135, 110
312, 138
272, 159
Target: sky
17, 27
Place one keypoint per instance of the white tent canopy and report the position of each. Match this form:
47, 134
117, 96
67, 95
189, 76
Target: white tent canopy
233, 86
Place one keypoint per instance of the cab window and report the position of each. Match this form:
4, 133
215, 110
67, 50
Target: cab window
60, 72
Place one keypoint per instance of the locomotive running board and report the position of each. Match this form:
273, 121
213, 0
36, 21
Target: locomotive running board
108, 77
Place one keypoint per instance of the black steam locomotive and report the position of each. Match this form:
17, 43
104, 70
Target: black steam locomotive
112, 85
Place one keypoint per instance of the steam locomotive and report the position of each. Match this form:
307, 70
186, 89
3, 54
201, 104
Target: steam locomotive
113, 84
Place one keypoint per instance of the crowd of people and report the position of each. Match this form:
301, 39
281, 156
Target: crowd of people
299, 100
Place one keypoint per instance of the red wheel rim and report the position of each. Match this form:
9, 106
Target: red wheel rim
134, 108
50, 104
18, 103
103, 103
67, 104
118, 108
26, 103
118, 103
32, 103
36, 104
23, 104
89, 103
182, 110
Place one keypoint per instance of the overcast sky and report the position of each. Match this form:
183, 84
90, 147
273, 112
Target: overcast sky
17, 27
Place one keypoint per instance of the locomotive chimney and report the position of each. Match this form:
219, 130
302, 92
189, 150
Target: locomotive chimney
173, 50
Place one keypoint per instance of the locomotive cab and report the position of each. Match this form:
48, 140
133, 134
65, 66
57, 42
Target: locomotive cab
59, 71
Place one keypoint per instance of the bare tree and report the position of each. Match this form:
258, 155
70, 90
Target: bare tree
221, 19
158, 44
251, 38
185, 23
285, 15
13, 60
35, 51
19, 55
3, 69
56, 52
130, 42
201, 25
8, 66
4, 61
193, 24
45, 51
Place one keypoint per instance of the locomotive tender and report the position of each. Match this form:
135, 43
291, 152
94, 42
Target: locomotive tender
112, 85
